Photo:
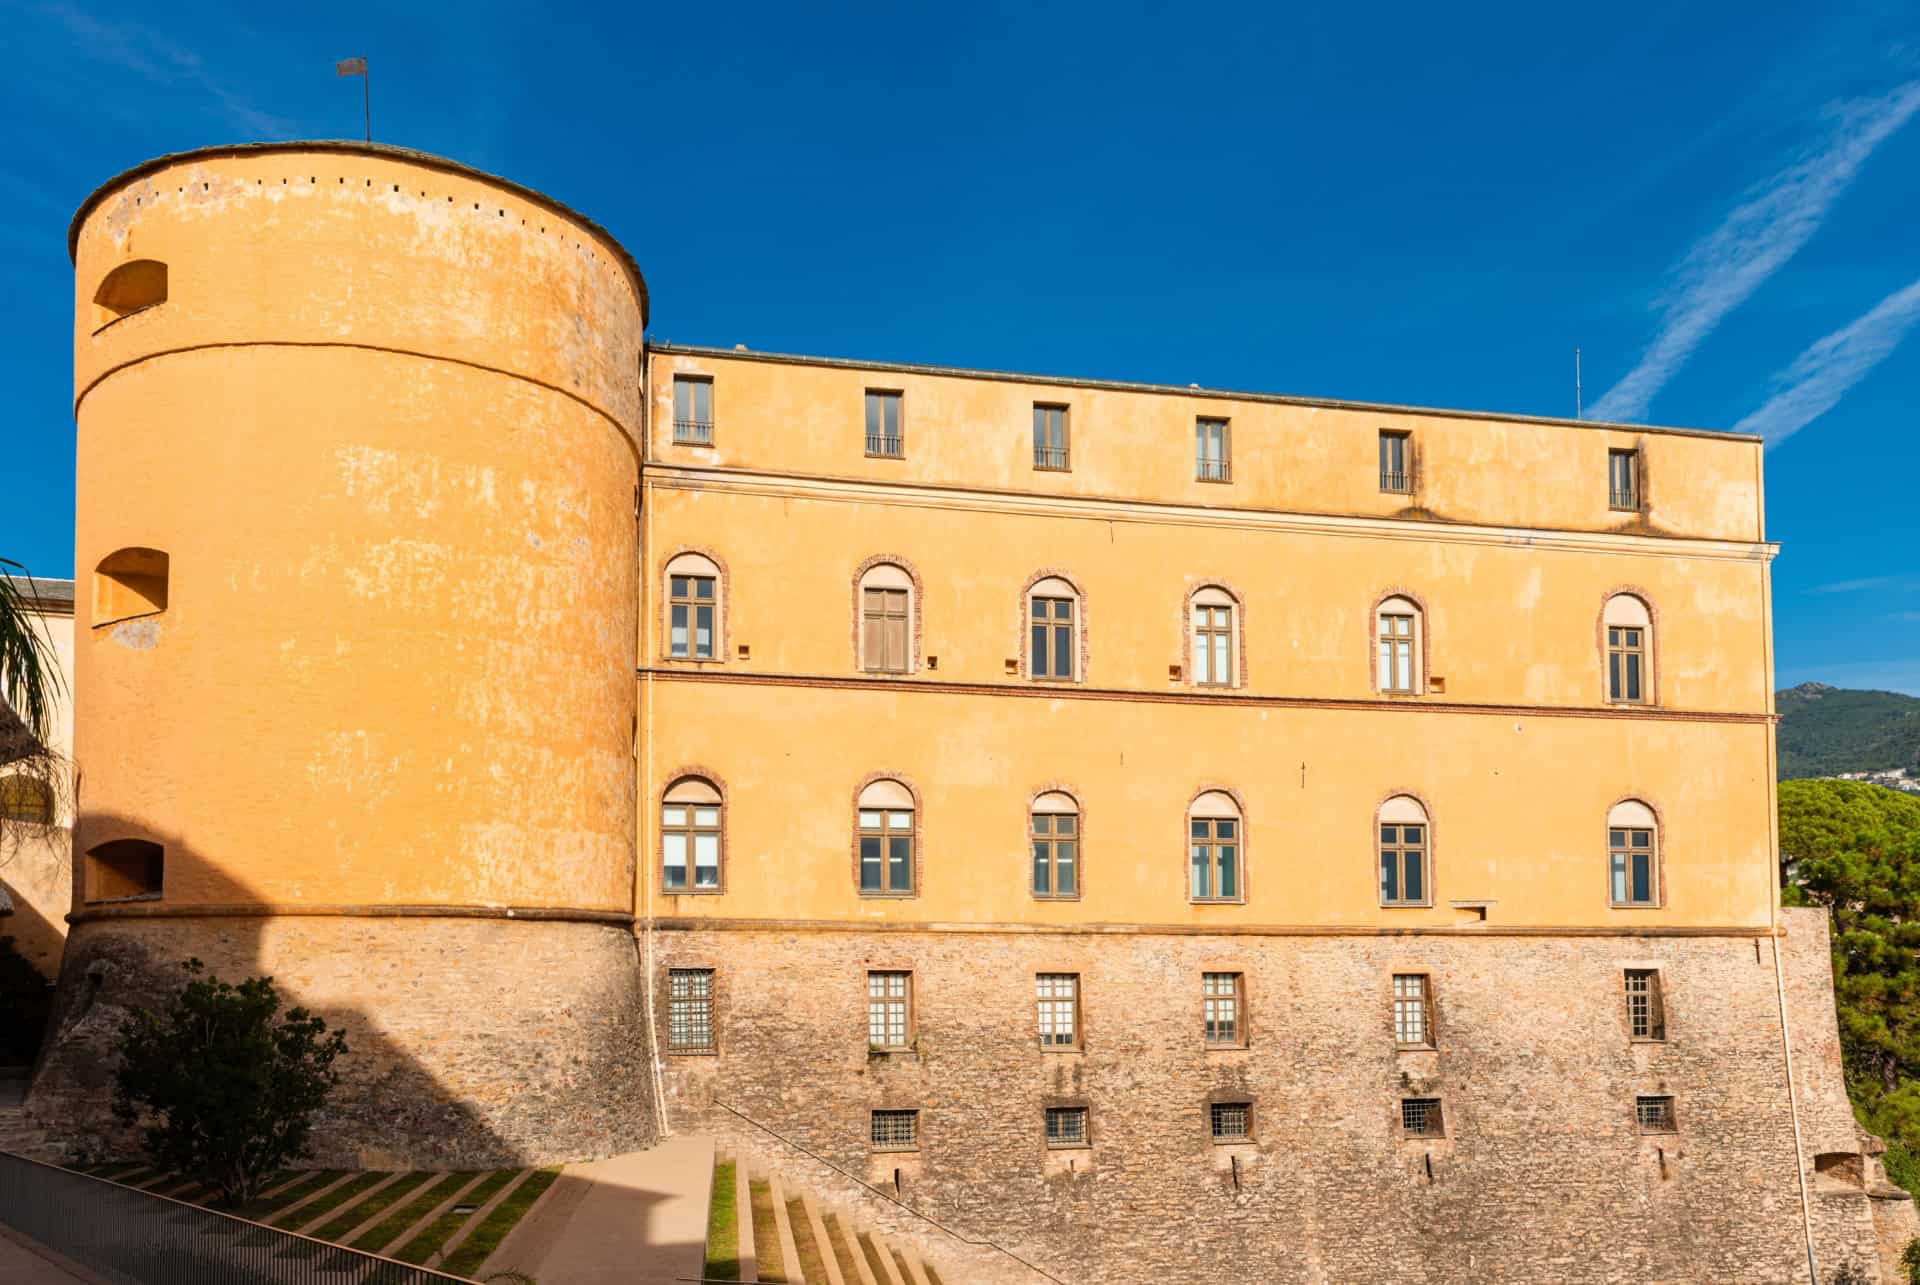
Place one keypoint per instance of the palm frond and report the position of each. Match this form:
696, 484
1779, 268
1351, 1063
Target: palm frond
30, 681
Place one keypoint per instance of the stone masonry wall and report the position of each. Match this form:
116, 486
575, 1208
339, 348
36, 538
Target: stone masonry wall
472, 1042
1542, 1175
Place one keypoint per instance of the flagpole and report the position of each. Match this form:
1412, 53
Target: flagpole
366, 95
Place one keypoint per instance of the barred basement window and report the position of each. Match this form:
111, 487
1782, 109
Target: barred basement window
890, 1010
1221, 999
1420, 1118
1059, 1001
894, 1130
690, 1010
1232, 1121
1066, 1126
1646, 1007
1654, 1114
1412, 1011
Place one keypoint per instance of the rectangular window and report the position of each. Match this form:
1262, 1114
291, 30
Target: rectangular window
1066, 1126
1216, 858
1420, 1118
1222, 997
1623, 480
1630, 867
690, 836
886, 851
1213, 646
1654, 1114
691, 605
1049, 436
690, 1010
1396, 461
883, 614
1232, 1121
1059, 1000
890, 1010
895, 1130
883, 424
1626, 663
1412, 1011
1051, 654
1212, 446
1403, 865
692, 410
1646, 1007
1056, 851
1396, 653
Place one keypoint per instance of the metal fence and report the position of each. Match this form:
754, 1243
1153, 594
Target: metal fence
141, 1239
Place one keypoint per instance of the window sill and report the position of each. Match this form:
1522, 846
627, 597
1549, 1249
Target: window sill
875, 455
867, 894
108, 325
1246, 1141
667, 891
1633, 905
693, 660
1416, 1048
1056, 896
693, 1052
1069, 1146
894, 1151
1646, 1039
1225, 1048
121, 901
121, 620
889, 1050
1216, 481
1062, 1048
1216, 901
1053, 468
1406, 905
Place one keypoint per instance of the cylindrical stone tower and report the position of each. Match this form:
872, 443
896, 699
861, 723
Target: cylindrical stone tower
355, 697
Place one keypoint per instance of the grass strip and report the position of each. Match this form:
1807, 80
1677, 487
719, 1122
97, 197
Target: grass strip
257, 1209
406, 1214
872, 1251
843, 1247
811, 1266
723, 1227
487, 1236
766, 1233
332, 1200
378, 1201
933, 1277
900, 1261
428, 1242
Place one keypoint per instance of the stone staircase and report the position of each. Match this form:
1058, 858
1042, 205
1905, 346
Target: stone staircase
16, 1134
787, 1233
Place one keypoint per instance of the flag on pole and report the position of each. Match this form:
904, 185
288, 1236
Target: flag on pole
350, 67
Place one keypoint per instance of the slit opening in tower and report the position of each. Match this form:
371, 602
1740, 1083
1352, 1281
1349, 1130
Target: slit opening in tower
132, 287
128, 583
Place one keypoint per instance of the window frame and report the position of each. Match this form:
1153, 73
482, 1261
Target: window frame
692, 830
908, 1002
687, 430
1237, 997
1429, 1037
1053, 838
1206, 468
1046, 1005
1671, 1110
20, 791
1400, 847
883, 570
1206, 596
1417, 640
1401, 482
1654, 990
712, 1046
1434, 1118
1635, 493
1048, 458
885, 832
899, 440
1615, 617
912, 1115
688, 563
1085, 1140
1246, 1136
1655, 849
1212, 840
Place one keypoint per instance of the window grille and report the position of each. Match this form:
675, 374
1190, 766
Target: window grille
1066, 1126
1058, 998
1412, 1011
1654, 1114
1420, 1118
1232, 1121
890, 1010
1646, 1013
895, 1130
690, 1010
1220, 996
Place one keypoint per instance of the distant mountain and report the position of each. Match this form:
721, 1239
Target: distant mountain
1825, 731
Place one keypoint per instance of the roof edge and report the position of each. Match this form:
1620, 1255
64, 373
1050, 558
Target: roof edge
356, 147
1188, 390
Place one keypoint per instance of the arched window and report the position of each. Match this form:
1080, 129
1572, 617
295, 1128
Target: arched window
1629, 631
694, 607
124, 870
1399, 636
886, 828
1633, 855
26, 798
691, 836
129, 583
141, 283
1054, 827
1216, 848
1406, 836
1215, 637
1053, 630
887, 611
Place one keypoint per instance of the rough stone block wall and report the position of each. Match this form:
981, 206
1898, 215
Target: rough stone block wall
1542, 1175
472, 1042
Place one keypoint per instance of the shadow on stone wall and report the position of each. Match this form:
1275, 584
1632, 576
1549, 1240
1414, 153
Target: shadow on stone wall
473, 1041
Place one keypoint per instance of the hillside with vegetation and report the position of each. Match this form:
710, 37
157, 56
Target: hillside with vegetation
1825, 731
1855, 849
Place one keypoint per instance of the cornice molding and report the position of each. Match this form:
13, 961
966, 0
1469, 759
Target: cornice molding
1473, 929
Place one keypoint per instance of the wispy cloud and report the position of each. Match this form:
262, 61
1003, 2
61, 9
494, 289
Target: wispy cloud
1822, 374
1726, 266
152, 56
1855, 586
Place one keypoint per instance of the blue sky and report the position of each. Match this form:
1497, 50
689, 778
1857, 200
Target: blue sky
1716, 202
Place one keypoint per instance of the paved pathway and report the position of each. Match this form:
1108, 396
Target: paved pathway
637, 1219
22, 1263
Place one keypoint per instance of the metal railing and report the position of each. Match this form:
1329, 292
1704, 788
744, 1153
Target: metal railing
1391, 481
138, 1238
1206, 470
693, 432
888, 446
1622, 499
1054, 457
